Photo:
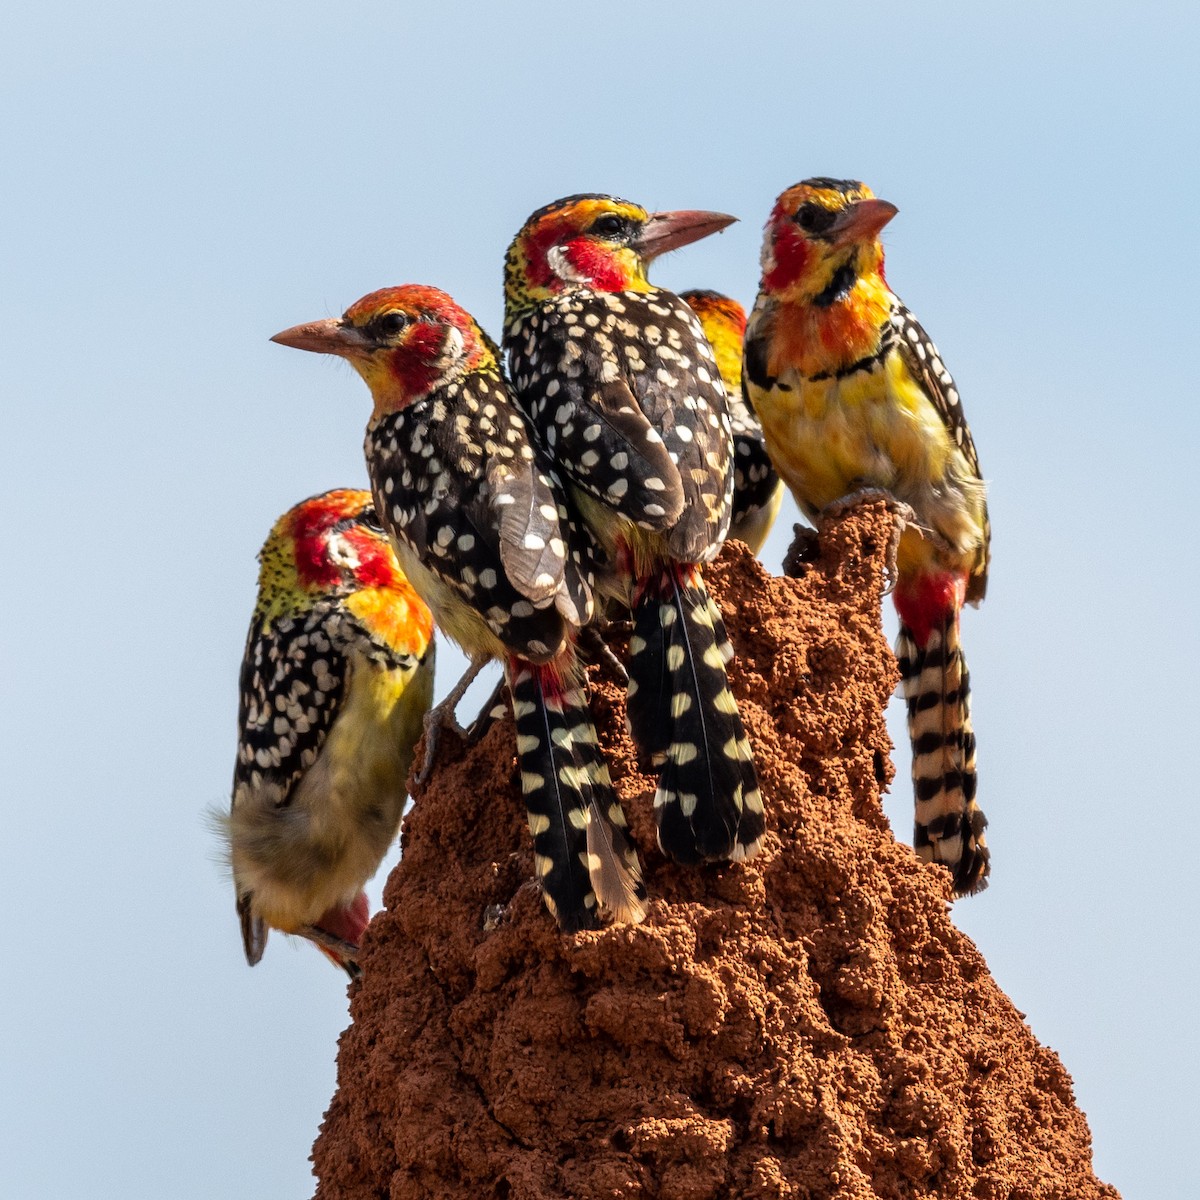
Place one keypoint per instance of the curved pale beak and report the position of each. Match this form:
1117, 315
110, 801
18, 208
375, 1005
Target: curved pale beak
666, 231
862, 221
331, 336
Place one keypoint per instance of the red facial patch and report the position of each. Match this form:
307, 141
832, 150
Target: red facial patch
597, 264
587, 257
311, 522
928, 601
791, 252
377, 565
417, 364
538, 245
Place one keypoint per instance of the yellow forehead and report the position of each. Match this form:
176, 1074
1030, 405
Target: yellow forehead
578, 214
828, 197
589, 210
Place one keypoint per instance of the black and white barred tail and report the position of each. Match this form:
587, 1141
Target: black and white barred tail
685, 721
582, 856
949, 824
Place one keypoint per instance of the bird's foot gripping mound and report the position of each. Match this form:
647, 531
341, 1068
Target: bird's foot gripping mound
902, 515
808, 1024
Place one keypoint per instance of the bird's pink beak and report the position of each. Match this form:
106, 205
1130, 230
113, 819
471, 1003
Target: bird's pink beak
862, 221
666, 231
332, 336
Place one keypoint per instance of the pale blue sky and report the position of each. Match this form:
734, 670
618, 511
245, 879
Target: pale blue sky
184, 180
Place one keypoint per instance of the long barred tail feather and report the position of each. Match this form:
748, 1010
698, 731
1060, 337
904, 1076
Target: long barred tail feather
582, 857
949, 823
685, 721
613, 865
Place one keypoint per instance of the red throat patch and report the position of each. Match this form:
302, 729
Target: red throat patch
604, 270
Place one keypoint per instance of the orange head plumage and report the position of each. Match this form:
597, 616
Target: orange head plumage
597, 242
334, 545
723, 320
404, 341
821, 237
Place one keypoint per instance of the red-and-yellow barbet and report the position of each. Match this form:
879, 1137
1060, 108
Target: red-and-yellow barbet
853, 396
757, 489
622, 390
481, 527
336, 679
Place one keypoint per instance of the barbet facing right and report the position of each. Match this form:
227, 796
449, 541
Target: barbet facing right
622, 390
853, 397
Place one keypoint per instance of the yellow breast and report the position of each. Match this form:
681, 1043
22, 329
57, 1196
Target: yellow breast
874, 428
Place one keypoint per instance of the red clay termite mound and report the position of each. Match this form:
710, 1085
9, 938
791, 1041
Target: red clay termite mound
807, 1025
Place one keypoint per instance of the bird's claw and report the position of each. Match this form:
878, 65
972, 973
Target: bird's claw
441, 716
595, 649
492, 711
344, 953
902, 513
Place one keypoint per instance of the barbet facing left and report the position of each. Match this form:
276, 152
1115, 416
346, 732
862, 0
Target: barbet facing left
336, 678
481, 526
622, 391
853, 396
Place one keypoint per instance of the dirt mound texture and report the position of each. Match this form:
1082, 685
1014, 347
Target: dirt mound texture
807, 1025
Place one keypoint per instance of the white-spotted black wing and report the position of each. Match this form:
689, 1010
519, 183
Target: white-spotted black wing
458, 482
921, 356
292, 682
623, 390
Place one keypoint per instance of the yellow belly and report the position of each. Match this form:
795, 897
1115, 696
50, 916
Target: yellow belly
318, 850
875, 429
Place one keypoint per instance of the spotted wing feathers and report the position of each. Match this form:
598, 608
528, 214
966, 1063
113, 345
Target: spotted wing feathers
543, 551
292, 683
624, 392
755, 480
925, 364
458, 482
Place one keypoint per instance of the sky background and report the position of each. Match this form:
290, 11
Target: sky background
184, 180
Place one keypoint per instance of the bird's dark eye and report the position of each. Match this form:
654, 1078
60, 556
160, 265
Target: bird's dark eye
369, 518
814, 218
610, 226
391, 323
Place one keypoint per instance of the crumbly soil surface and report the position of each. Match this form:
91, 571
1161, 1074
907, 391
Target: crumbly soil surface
810, 1024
